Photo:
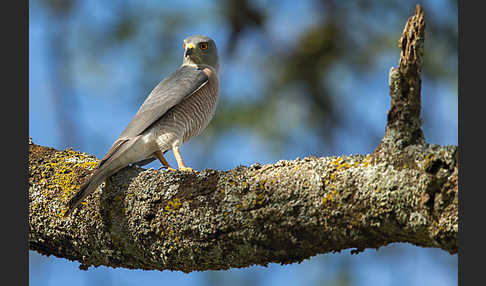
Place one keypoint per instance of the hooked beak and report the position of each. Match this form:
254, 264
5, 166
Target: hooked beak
189, 50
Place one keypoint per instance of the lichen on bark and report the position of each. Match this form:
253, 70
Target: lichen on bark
283, 212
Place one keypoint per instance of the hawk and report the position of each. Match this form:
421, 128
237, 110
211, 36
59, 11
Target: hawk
178, 108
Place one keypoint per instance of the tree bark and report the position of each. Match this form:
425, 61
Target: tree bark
405, 191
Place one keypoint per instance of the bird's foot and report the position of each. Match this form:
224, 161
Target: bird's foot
187, 169
169, 169
166, 168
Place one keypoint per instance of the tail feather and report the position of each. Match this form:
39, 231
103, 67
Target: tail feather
108, 166
78, 198
90, 185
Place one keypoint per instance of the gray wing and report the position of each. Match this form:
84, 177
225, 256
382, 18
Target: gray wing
168, 93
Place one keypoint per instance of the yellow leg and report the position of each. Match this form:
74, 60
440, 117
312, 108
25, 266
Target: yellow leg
162, 160
178, 157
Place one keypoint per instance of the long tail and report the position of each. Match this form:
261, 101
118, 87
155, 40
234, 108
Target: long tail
109, 165
87, 188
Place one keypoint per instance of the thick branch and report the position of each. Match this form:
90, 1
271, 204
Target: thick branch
284, 212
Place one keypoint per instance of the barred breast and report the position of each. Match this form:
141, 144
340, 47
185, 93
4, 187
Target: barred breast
190, 117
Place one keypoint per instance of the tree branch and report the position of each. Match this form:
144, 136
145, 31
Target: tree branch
404, 126
406, 191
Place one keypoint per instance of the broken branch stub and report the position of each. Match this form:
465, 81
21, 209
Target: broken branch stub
404, 122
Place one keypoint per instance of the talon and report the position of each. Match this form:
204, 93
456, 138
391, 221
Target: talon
162, 160
188, 169
161, 168
164, 168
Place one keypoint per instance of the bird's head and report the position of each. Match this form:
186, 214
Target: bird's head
200, 50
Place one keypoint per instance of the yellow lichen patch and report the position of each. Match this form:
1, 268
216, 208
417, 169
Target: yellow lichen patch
332, 176
222, 192
345, 165
59, 174
337, 161
428, 161
58, 213
329, 197
173, 205
367, 161
261, 184
260, 198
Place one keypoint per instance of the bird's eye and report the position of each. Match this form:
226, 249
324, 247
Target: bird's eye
184, 46
203, 46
